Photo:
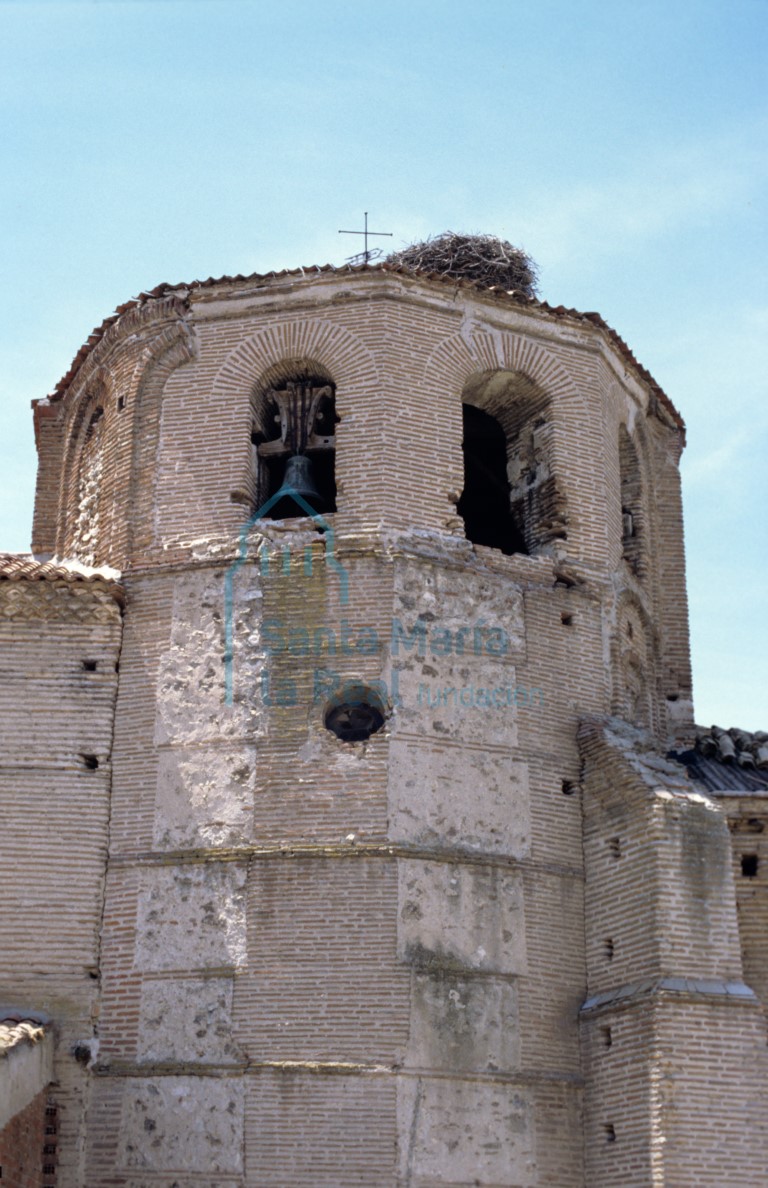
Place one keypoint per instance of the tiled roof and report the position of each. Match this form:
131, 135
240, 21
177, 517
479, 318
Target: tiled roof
513, 296
15, 1031
728, 760
18, 567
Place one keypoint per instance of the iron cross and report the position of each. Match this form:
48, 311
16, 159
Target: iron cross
369, 253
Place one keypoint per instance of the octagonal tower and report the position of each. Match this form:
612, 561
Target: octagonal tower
380, 879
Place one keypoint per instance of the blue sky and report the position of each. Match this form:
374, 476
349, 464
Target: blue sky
623, 144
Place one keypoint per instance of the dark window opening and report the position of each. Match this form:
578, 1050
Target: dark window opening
90, 665
749, 865
607, 1035
485, 501
568, 787
609, 949
610, 1133
91, 762
566, 620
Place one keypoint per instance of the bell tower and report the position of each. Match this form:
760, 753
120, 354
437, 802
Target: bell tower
393, 847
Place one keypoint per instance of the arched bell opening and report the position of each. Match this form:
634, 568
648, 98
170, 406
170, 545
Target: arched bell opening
295, 444
512, 499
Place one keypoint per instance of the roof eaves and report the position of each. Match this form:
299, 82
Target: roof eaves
518, 297
24, 567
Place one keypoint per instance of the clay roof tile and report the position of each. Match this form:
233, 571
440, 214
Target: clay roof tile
20, 567
560, 311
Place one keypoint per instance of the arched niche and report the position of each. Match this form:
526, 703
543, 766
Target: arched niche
634, 522
81, 504
634, 653
87, 507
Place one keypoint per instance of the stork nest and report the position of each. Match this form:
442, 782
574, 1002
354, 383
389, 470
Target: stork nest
483, 258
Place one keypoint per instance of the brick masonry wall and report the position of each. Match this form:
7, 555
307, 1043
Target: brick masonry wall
671, 1035
21, 1147
748, 822
56, 719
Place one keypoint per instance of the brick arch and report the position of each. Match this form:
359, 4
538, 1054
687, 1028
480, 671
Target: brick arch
160, 358
458, 357
243, 374
333, 347
126, 434
634, 658
465, 364
96, 390
93, 393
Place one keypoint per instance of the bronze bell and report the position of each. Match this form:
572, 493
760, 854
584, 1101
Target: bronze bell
297, 480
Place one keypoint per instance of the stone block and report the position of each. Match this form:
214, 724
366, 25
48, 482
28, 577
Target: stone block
185, 1124
187, 1019
465, 1133
191, 917
461, 917
445, 796
463, 1023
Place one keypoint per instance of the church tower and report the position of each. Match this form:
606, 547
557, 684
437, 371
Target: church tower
387, 879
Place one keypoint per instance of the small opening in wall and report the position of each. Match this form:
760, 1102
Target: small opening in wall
609, 948
673, 697
566, 619
90, 665
610, 1133
355, 713
630, 631
615, 847
120, 403
90, 761
81, 1053
567, 787
749, 864
607, 1035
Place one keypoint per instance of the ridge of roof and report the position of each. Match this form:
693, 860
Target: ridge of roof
17, 567
164, 289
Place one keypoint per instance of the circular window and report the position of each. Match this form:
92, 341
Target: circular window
355, 713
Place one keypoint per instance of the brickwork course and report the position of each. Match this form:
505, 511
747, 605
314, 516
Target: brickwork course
496, 937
